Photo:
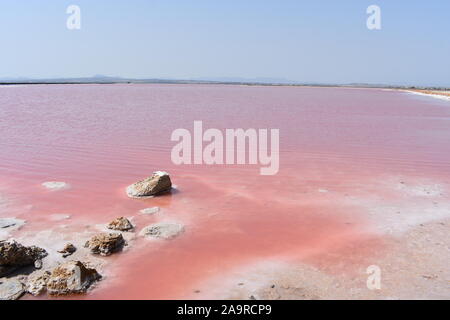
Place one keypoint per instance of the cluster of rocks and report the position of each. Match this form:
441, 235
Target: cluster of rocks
70, 277
67, 278
73, 277
156, 184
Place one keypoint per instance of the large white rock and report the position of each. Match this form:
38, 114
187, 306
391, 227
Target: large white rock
158, 183
11, 289
164, 230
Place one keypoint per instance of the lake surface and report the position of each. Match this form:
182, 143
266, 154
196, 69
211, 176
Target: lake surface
335, 144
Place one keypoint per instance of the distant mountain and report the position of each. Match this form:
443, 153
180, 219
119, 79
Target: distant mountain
267, 80
14, 79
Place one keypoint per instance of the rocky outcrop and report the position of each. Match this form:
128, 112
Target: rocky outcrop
164, 230
11, 289
68, 250
71, 277
158, 183
37, 283
105, 243
13, 255
120, 224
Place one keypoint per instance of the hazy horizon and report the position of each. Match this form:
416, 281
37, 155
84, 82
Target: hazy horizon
295, 41
237, 80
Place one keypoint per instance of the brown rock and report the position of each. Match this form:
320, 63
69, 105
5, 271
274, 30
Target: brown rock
105, 243
71, 277
37, 283
13, 255
68, 250
158, 183
121, 224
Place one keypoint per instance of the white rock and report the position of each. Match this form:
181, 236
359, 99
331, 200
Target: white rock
10, 222
11, 289
59, 216
56, 185
163, 230
152, 210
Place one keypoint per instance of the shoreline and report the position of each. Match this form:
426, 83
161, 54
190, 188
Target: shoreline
424, 90
396, 235
438, 94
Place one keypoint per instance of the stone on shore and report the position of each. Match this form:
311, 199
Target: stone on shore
158, 183
37, 282
11, 289
105, 243
68, 250
163, 230
70, 278
121, 224
10, 222
13, 255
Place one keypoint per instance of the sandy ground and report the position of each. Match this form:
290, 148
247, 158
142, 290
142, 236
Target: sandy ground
415, 267
440, 92
413, 222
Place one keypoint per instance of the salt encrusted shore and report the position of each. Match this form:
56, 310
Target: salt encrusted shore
408, 243
442, 95
415, 266
37, 262
413, 224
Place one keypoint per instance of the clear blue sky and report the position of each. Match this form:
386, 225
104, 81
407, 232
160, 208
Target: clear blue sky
305, 41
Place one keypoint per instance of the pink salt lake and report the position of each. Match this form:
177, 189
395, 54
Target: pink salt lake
334, 143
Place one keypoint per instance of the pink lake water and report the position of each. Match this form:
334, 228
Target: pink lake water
101, 138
